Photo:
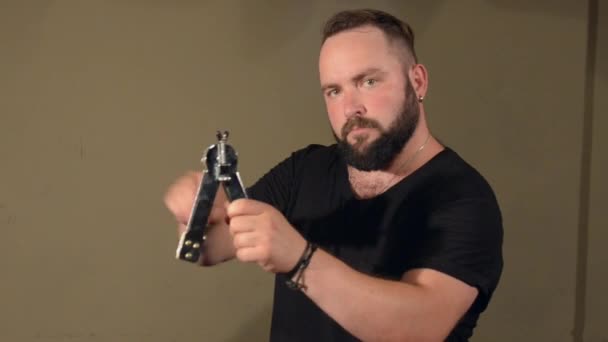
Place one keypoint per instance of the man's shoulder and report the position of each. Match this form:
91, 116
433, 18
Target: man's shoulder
453, 176
316, 151
313, 156
311, 159
305, 168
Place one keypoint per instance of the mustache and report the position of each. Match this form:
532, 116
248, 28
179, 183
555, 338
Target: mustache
358, 122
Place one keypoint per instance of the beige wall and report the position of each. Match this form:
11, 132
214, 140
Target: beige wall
597, 271
103, 104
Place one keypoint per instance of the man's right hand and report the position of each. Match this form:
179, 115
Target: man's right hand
179, 199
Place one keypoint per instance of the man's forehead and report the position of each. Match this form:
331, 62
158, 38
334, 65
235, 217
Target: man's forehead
354, 51
351, 48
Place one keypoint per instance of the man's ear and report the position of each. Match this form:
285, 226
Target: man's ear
420, 81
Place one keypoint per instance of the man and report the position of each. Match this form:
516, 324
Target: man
385, 236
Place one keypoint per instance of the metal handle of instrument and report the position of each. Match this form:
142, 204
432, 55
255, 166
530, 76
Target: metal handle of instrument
221, 162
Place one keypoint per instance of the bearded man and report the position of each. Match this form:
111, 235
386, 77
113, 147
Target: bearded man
387, 235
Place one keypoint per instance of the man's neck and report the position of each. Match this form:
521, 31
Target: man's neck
368, 184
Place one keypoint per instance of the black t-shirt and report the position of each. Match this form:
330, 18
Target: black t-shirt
444, 216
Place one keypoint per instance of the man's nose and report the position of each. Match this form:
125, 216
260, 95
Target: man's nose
353, 104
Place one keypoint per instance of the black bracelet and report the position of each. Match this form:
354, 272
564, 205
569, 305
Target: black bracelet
296, 267
298, 283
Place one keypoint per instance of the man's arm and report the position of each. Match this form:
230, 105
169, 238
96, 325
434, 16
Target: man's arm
424, 306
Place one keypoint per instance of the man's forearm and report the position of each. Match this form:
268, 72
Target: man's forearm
374, 309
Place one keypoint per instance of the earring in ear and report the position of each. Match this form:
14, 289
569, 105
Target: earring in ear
420, 98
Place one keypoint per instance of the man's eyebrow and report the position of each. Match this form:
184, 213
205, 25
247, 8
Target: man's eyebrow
366, 73
324, 87
358, 77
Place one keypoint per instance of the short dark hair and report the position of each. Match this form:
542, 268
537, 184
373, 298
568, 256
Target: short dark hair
394, 28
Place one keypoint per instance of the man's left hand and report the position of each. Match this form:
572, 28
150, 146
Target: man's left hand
261, 234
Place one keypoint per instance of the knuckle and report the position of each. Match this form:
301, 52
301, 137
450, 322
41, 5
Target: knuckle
236, 223
239, 205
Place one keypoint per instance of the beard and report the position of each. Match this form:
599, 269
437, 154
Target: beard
381, 152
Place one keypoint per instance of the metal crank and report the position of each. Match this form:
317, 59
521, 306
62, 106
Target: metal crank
221, 163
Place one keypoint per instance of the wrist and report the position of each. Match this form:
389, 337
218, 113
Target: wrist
292, 271
295, 277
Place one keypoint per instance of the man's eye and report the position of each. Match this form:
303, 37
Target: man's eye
332, 93
369, 82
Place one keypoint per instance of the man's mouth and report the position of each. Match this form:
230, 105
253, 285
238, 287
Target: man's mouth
358, 126
358, 129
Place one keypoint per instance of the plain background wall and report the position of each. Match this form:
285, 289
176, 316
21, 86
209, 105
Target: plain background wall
104, 104
596, 310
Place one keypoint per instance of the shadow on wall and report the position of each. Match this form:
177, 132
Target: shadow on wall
601, 55
257, 328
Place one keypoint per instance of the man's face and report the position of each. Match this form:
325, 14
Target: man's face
372, 108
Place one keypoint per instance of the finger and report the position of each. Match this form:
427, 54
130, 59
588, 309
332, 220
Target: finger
244, 240
245, 206
242, 224
180, 211
198, 176
250, 254
180, 196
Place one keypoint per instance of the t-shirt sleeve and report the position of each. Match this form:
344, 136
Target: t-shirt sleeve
463, 239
